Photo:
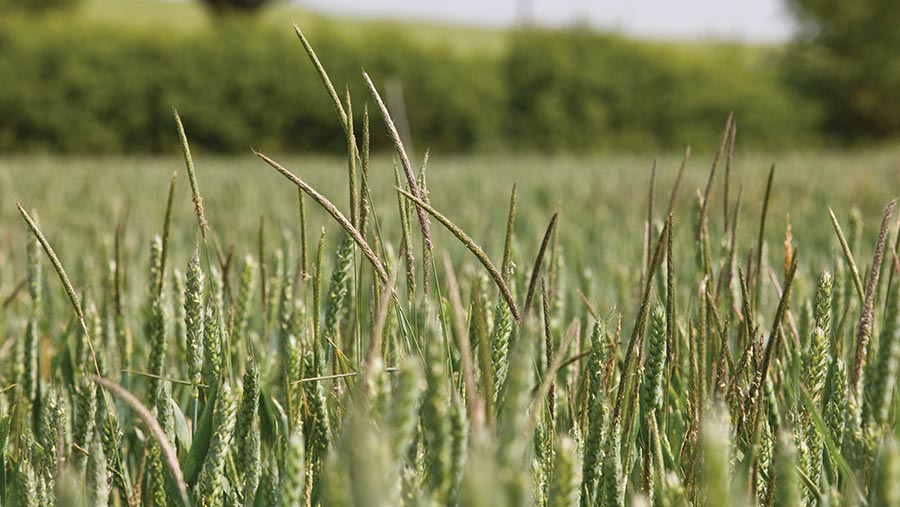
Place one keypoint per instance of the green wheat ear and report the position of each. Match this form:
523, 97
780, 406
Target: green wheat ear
26, 483
816, 362
459, 434
479, 488
51, 414
818, 354
192, 176
156, 322
317, 425
339, 288
212, 346
274, 292
436, 412
211, 483
885, 488
880, 385
247, 434
764, 467
404, 408
597, 412
177, 292
655, 362
193, 321
268, 492
27, 363
500, 338
611, 491
564, 484
716, 454
84, 422
155, 482
294, 479
287, 310
512, 420
245, 293
787, 482
97, 479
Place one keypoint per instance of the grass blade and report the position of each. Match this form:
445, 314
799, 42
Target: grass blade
536, 270
167, 222
192, 177
848, 256
864, 330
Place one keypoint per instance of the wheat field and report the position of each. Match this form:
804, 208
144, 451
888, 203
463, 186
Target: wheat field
523, 330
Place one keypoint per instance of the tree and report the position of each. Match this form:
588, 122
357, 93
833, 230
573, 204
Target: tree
245, 6
847, 56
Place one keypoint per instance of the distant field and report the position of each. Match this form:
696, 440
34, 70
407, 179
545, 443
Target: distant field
190, 15
602, 201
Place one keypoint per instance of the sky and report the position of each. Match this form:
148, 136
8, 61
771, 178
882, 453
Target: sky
741, 20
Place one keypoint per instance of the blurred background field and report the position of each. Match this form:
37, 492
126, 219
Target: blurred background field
574, 114
602, 201
101, 76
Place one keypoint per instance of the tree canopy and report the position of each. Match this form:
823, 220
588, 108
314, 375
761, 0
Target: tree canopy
223, 6
847, 55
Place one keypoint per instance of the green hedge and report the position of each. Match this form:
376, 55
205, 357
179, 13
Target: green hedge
90, 89
16, 7
588, 91
86, 89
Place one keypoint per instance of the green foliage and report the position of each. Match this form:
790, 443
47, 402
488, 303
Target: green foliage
587, 91
237, 85
292, 485
846, 57
566, 481
242, 84
36, 6
212, 482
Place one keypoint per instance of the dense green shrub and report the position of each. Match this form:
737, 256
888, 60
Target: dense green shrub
847, 57
79, 88
587, 90
85, 89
